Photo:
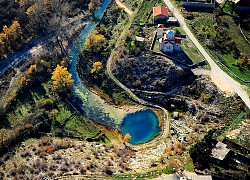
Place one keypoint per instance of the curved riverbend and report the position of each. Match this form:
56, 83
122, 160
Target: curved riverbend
141, 125
93, 106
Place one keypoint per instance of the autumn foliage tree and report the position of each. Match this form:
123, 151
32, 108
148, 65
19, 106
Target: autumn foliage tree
10, 38
62, 80
94, 42
93, 5
97, 67
243, 61
125, 138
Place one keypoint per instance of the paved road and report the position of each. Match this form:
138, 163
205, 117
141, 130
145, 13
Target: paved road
225, 78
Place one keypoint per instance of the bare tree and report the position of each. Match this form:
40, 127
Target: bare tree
58, 23
49, 18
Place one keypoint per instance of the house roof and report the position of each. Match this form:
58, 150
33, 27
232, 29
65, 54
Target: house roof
160, 11
220, 151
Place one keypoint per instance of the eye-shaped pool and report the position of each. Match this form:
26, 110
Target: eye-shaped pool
142, 126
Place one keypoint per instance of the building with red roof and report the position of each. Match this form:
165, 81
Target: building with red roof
160, 15
169, 43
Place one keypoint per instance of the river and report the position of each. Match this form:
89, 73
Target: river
94, 107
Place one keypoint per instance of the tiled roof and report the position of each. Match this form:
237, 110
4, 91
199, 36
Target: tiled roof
160, 11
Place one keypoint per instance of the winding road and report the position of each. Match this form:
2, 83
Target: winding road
216, 72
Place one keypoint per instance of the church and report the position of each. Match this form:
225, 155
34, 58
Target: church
169, 43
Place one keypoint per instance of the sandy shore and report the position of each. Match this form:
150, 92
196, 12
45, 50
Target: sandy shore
119, 112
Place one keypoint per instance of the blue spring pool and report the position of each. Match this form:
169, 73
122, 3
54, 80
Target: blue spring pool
141, 125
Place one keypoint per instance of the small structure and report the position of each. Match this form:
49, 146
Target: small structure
169, 43
172, 20
140, 39
204, 4
220, 151
160, 15
242, 5
176, 115
159, 31
194, 176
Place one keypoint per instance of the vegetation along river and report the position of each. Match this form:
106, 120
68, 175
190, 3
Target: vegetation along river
101, 112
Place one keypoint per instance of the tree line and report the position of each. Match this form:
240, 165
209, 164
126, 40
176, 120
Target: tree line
37, 18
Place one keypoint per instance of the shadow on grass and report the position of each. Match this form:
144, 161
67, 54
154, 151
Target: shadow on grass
182, 56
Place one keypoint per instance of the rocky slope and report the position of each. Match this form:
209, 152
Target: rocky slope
152, 73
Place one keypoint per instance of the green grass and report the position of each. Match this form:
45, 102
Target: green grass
146, 175
205, 19
64, 112
168, 170
228, 7
17, 116
144, 11
82, 127
228, 61
233, 125
176, 3
189, 166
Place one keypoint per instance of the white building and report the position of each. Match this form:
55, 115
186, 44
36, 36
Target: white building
169, 43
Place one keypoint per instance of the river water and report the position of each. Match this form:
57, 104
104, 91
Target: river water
94, 107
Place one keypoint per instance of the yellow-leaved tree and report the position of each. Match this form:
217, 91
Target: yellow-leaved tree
62, 80
9, 38
94, 41
97, 67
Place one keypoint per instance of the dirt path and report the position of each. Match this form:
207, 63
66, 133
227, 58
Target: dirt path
126, 9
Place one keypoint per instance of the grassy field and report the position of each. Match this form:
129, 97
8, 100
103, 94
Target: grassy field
203, 22
144, 12
145, 175
238, 130
77, 124
82, 126
228, 61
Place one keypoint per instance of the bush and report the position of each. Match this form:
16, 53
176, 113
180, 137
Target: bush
64, 168
48, 104
25, 153
53, 167
83, 171
50, 150
61, 144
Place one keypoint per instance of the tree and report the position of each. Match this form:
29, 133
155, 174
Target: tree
93, 5
201, 151
32, 70
10, 38
61, 79
94, 42
97, 67
125, 138
24, 81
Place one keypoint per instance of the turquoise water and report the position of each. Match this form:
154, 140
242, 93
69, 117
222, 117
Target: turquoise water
142, 126
93, 106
